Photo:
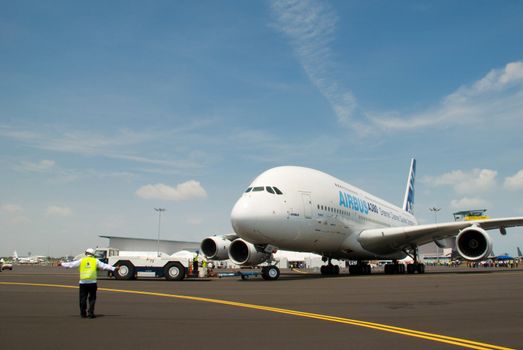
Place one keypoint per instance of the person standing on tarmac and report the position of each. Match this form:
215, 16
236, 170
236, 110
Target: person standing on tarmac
195, 264
88, 267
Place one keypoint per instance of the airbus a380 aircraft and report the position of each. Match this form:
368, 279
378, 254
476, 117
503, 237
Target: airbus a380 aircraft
302, 209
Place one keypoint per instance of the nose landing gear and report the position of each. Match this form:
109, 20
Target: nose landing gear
270, 273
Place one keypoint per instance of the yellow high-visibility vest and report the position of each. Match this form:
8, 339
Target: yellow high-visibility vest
88, 269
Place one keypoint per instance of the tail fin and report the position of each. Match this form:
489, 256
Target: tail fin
408, 201
519, 253
15, 255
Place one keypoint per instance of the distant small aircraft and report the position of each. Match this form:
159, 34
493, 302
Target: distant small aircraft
35, 259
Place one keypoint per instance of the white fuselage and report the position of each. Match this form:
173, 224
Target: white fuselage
316, 212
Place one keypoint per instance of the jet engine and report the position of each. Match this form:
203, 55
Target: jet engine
216, 247
473, 243
244, 253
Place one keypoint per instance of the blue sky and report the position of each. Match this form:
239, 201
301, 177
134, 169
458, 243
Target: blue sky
109, 110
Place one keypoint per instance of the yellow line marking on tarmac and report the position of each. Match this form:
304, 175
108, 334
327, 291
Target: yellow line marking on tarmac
299, 271
377, 326
73, 274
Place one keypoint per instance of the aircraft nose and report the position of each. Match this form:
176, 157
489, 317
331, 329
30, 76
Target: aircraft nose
256, 218
242, 217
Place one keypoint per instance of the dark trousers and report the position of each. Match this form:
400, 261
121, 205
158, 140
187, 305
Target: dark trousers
87, 292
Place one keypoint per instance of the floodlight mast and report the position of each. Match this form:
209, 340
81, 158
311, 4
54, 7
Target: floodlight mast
159, 210
435, 211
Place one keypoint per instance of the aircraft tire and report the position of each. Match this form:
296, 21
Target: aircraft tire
270, 273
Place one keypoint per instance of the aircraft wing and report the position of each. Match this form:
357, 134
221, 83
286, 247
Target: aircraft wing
385, 240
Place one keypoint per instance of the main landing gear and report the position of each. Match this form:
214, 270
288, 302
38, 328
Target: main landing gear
361, 268
396, 268
329, 269
416, 267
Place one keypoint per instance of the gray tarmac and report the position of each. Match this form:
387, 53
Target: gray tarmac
481, 305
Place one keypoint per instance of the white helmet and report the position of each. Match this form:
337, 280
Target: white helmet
89, 251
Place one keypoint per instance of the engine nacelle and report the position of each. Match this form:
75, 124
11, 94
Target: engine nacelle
216, 248
244, 253
473, 243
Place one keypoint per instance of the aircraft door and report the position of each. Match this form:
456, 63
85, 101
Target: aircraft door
307, 205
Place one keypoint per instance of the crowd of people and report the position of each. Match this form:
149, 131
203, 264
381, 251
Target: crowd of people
505, 263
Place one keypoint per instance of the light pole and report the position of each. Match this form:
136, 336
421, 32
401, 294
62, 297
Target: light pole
159, 210
435, 211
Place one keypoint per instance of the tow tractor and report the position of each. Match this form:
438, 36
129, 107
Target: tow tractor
133, 265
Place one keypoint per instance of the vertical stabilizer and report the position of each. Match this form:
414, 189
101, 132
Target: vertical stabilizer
408, 201
519, 253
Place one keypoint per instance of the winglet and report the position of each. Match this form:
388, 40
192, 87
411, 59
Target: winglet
408, 201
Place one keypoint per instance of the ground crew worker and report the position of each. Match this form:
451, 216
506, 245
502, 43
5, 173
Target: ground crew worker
195, 265
204, 268
88, 267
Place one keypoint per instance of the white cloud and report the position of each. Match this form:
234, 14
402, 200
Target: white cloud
310, 27
477, 180
120, 145
195, 221
55, 210
262, 146
498, 79
11, 208
514, 182
184, 191
14, 214
469, 203
498, 94
39, 167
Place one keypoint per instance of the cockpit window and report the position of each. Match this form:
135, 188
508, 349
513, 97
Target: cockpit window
277, 190
270, 189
